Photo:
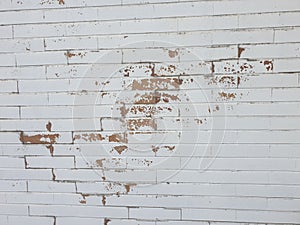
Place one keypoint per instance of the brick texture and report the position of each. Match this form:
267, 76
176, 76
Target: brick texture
133, 112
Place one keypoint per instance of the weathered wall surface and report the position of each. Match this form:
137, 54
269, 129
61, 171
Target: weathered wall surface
149, 112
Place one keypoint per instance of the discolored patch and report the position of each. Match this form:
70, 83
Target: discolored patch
240, 51
128, 187
118, 138
51, 149
106, 221
173, 53
38, 138
49, 126
103, 200
120, 148
99, 162
268, 64
147, 98
137, 124
89, 137
227, 95
155, 84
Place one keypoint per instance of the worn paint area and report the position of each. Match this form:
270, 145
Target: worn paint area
38, 138
149, 112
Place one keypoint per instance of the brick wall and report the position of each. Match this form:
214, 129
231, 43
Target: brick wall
130, 112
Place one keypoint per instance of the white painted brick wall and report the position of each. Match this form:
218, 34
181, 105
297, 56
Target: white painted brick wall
157, 112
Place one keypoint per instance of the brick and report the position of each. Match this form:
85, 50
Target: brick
95, 57
50, 162
267, 190
270, 51
205, 214
9, 112
9, 137
159, 214
281, 94
51, 186
45, 58
28, 174
82, 211
20, 17
77, 221
286, 35
207, 23
6, 32
44, 85
9, 86
21, 150
267, 6
128, 176
147, 11
12, 209
43, 198
39, 30
66, 15
45, 138
284, 19
228, 177
12, 186
284, 65
71, 43
7, 60
10, 220
16, 99
22, 72
11, 162
57, 125
21, 45
263, 216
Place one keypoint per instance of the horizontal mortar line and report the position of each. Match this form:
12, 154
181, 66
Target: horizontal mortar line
78, 154
153, 169
97, 156
90, 144
162, 130
172, 32
125, 63
78, 93
249, 102
130, 4
150, 206
175, 17
147, 183
209, 75
159, 194
169, 143
53, 118
85, 36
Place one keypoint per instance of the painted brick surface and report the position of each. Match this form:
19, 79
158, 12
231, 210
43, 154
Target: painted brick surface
132, 112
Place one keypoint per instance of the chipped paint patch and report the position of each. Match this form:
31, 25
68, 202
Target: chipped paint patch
139, 124
240, 51
38, 138
118, 138
49, 126
227, 96
128, 187
120, 149
155, 84
173, 53
89, 137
